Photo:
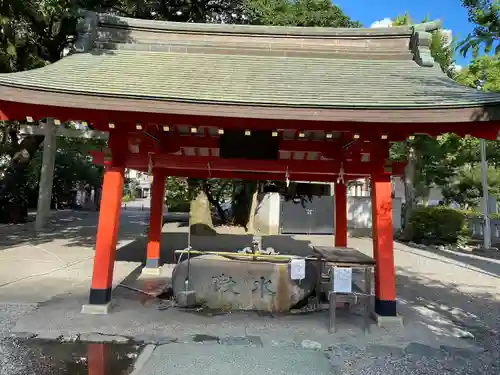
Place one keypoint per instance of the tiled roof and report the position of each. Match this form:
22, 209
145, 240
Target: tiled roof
257, 65
239, 79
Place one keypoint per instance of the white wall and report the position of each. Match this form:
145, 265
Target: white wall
359, 213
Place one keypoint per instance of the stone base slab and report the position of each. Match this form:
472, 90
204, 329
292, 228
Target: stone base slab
96, 309
150, 271
387, 321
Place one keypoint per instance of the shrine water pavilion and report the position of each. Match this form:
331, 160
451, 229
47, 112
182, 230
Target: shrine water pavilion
249, 102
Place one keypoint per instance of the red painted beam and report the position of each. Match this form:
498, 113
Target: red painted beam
252, 176
332, 147
284, 145
98, 158
126, 121
340, 148
234, 166
268, 166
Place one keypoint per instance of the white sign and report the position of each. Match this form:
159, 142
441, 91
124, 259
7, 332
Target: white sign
342, 280
298, 269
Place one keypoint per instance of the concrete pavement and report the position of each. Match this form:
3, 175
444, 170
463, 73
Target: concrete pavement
36, 266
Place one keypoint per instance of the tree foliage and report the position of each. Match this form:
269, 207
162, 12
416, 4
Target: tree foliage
199, 11
466, 188
35, 33
316, 13
483, 71
485, 15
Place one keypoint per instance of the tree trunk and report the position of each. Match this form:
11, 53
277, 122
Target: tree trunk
24, 151
200, 216
253, 209
243, 204
214, 202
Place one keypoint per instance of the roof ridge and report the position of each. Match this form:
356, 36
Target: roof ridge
114, 21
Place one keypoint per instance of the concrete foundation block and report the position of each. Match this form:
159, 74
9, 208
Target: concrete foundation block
96, 309
186, 298
150, 271
388, 321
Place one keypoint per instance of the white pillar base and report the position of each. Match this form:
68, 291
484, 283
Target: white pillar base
96, 309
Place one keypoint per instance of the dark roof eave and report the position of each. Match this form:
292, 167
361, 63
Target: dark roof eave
144, 106
363, 106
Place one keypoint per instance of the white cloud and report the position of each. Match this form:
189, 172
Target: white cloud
386, 22
457, 68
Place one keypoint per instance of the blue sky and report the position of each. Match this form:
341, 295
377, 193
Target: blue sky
450, 12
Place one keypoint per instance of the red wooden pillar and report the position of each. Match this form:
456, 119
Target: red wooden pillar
155, 219
3, 114
107, 231
96, 359
340, 215
383, 245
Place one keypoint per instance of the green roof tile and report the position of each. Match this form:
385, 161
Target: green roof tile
228, 64
294, 81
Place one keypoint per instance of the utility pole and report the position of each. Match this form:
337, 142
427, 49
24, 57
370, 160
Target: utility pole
484, 182
46, 175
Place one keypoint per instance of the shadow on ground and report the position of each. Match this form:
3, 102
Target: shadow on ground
447, 311
172, 241
479, 262
75, 228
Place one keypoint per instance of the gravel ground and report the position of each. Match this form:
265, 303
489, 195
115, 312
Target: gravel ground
10, 314
12, 357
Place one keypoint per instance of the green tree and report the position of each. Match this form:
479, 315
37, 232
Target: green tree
430, 161
485, 70
485, 14
32, 34
466, 189
317, 13
176, 190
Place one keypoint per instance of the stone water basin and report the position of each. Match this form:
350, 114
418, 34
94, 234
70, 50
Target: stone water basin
243, 284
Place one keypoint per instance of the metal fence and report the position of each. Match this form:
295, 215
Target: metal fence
476, 229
